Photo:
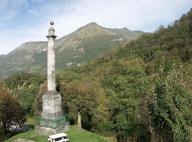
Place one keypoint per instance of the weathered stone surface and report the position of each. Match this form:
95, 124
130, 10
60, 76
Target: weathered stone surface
52, 120
50, 131
52, 113
51, 59
52, 105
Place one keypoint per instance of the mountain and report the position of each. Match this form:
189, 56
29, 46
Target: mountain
145, 91
82, 45
139, 92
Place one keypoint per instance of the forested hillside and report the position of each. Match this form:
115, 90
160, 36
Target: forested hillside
141, 92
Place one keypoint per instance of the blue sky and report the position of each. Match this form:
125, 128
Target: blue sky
28, 20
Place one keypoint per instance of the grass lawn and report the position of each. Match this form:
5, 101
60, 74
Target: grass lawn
75, 135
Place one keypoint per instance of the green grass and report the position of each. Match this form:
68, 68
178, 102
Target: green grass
30, 135
75, 135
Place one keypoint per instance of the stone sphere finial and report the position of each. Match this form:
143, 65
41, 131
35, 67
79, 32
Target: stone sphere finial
51, 31
51, 23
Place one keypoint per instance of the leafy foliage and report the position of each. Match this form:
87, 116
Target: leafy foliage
11, 112
146, 87
141, 92
24, 86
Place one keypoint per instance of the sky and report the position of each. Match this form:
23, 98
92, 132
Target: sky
28, 20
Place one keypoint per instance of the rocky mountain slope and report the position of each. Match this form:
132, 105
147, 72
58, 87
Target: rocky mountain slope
80, 46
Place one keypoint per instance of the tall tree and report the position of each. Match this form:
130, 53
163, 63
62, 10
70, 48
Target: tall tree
11, 112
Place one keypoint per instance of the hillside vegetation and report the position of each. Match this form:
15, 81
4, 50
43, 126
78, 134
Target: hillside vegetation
141, 92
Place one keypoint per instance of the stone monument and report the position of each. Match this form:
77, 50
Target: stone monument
52, 120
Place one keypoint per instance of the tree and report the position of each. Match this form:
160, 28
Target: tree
170, 112
11, 112
82, 98
24, 86
26, 98
128, 88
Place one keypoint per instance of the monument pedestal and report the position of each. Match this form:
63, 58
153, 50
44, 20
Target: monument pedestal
52, 120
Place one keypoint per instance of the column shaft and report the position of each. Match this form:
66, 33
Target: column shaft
51, 64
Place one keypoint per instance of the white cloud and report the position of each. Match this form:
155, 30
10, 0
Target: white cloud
144, 15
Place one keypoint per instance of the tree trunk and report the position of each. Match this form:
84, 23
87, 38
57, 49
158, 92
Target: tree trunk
4, 128
79, 120
152, 133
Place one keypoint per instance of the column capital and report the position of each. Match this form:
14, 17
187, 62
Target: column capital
51, 31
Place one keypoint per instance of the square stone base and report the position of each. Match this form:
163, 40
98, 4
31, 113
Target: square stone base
52, 120
50, 131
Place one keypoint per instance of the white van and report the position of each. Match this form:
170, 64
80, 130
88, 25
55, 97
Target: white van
61, 137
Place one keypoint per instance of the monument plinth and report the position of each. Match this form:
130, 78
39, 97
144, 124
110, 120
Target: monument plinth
52, 120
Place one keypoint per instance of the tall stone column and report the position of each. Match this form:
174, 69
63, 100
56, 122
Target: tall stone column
51, 58
52, 120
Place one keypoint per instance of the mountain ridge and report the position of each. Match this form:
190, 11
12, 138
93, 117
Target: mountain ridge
80, 46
